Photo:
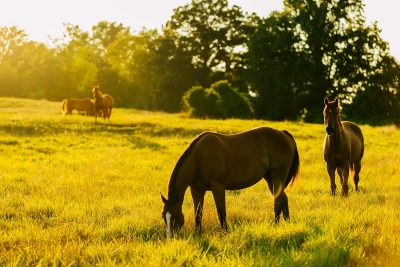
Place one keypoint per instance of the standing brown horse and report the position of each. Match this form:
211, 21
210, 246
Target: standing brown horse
343, 147
219, 162
85, 105
103, 102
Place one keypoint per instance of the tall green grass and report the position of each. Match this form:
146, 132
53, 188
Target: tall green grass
76, 193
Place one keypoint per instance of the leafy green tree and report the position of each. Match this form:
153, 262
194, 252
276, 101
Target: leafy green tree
273, 64
174, 71
78, 64
215, 36
27, 69
97, 57
106, 38
133, 59
315, 48
380, 101
340, 50
140, 70
12, 40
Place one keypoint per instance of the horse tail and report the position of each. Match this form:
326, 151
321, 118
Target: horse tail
295, 166
351, 169
112, 105
64, 106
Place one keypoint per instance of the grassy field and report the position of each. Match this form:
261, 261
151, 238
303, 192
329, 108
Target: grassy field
76, 193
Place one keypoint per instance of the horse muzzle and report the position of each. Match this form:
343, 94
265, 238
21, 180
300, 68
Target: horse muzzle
330, 130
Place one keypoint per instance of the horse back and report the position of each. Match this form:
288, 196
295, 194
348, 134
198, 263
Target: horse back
240, 160
108, 100
83, 103
353, 131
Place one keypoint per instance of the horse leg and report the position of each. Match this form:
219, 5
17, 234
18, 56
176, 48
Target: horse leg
198, 201
357, 169
109, 113
95, 115
270, 184
218, 191
345, 177
340, 173
271, 188
280, 198
331, 171
105, 113
281, 205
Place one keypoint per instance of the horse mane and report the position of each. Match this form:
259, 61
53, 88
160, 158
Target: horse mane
172, 194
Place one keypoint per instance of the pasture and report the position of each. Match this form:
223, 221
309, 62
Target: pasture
76, 193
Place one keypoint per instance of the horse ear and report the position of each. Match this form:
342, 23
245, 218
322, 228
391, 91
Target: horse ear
326, 101
336, 101
164, 200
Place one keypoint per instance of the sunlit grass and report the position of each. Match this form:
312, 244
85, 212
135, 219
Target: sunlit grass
72, 192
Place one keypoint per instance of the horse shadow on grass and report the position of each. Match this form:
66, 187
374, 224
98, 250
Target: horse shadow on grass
49, 128
142, 143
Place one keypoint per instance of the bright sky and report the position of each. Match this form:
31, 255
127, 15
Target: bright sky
44, 18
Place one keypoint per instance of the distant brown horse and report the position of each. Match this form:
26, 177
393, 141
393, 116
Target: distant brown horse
219, 162
343, 147
85, 105
103, 102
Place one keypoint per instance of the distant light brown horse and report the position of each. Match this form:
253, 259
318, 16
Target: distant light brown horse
103, 102
217, 162
343, 147
85, 105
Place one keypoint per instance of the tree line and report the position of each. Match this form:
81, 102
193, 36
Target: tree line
283, 65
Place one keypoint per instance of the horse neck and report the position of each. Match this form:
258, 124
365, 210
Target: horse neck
98, 95
177, 187
338, 135
183, 174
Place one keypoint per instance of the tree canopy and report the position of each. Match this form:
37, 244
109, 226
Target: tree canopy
283, 64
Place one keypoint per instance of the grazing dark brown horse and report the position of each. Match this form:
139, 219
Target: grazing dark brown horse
217, 162
85, 105
343, 147
103, 102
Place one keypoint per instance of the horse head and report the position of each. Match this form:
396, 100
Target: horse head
96, 91
331, 115
172, 215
